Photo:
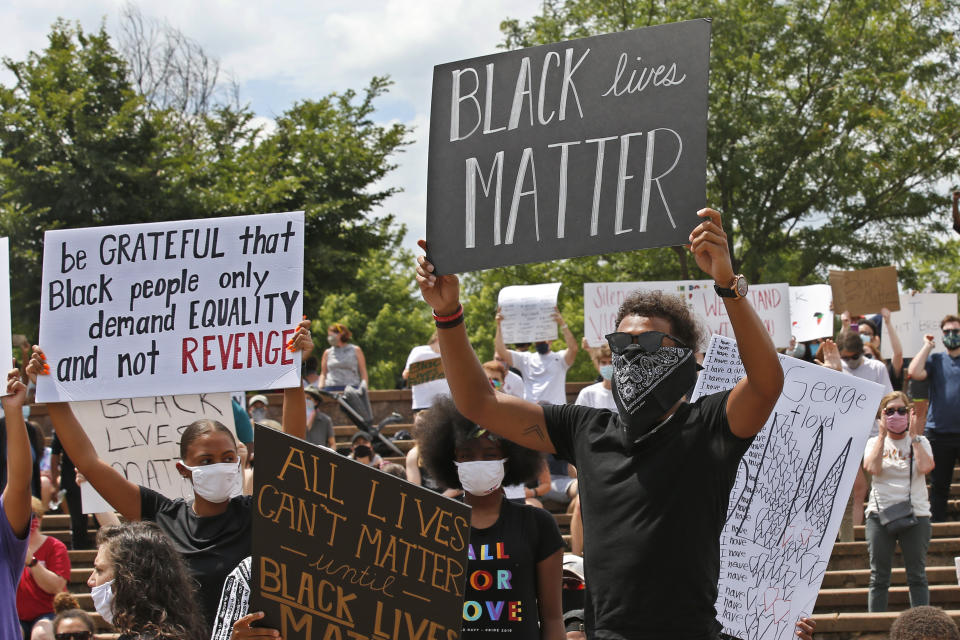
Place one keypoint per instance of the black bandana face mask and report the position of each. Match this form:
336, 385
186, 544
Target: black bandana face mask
646, 385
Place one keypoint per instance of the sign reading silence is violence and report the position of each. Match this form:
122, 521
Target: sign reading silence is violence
342, 550
575, 148
171, 307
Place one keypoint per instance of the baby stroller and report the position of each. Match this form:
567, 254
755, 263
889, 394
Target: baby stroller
355, 403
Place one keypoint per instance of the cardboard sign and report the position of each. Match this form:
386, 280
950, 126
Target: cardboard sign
426, 371
920, 314
865, 291
811, 316
171, 307
527, 312
140, 438
342, 550
6, 334
790, 491
602, 300
575, 148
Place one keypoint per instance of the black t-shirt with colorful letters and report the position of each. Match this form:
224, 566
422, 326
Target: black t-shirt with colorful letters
501, 592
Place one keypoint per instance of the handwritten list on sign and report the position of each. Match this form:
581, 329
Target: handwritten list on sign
171, 307
790, 491
342, 550
527, 312
574, 148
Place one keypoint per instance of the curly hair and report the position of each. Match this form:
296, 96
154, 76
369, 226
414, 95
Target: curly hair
672, 308
924, 623
154, 594
198, 429
442, 429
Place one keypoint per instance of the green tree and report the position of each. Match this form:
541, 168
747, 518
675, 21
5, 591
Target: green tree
81, 146
830, 122
384, 311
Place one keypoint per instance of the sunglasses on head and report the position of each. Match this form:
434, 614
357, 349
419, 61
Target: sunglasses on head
889, 411
951, 332
74, 635
649, 341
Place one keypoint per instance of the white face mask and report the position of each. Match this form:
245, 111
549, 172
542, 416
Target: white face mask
482, 477
217, 482
103, 600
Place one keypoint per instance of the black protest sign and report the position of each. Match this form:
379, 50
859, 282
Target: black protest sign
342, 550
425, 371
575, 148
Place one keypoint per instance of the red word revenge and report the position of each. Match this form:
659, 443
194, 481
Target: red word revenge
236, 351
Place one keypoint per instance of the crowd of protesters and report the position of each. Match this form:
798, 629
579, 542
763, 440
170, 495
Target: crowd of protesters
500, 436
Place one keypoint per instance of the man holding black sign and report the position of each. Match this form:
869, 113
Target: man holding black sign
655, 479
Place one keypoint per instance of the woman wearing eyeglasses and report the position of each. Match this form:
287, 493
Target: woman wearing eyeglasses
898, 458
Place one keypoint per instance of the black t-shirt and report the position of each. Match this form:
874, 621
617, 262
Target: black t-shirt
211, 546
652, 517
501, 592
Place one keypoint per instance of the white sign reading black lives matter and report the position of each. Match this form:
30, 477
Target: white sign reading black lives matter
574, 148
171, 307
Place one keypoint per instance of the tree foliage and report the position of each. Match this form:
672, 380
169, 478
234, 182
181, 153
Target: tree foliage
82, 145
830, 121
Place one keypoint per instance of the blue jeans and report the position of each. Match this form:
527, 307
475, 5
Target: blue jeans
913, 544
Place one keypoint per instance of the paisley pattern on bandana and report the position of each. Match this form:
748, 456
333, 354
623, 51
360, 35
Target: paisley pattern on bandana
638, 372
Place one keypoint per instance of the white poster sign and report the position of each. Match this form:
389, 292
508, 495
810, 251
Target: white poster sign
171, 307
140, 437
811, 314
790, 492
528, 312
601, 300
920, 314
6, 331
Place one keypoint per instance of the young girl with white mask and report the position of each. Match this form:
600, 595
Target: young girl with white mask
515, 551
213, 531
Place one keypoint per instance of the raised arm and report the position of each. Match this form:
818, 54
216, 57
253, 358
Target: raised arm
294, 417
518, 420
918, 364
572, 347
751, 401
498, 346
925, 463
123, 495
956, 211
16, 495
897, 360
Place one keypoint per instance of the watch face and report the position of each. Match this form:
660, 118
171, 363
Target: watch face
741, 286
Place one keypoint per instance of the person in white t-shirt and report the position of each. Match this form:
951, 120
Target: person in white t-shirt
544, 372
899, 458
512, 383
424, 393
847, 356
600, 394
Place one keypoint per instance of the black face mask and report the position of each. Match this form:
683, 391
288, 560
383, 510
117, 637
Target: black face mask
362, 451
543, 348
646, 385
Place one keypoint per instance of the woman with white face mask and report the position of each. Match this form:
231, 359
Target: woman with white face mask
899, 459
140, 584
515, 550
212, 531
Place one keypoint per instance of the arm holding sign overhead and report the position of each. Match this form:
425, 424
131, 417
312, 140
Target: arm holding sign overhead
294, 418
572, 347
16, 495
518, 420
123, 495
897, 360
754, 397
498, 345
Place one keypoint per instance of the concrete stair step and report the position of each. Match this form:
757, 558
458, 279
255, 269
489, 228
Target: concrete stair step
855, 599
940, 530
853, 555
861, 577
